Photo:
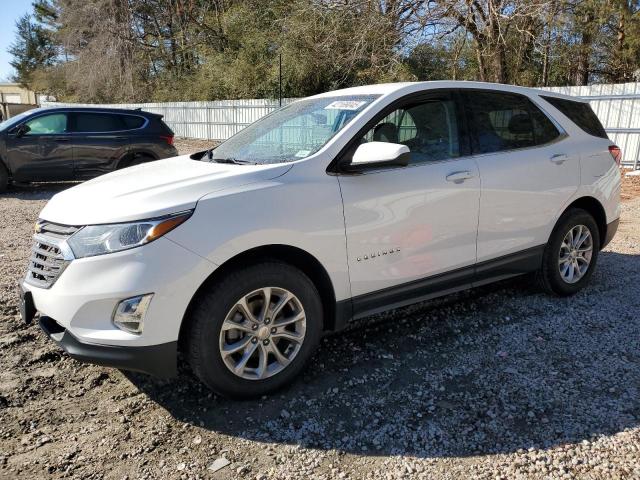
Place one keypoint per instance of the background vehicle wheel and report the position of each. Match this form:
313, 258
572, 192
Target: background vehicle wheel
136, 159
254, 331
571, 254
4, 178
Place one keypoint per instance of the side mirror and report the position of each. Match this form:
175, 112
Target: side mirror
380, 154
21, 130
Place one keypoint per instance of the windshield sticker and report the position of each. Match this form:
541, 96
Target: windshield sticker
303, 153
345, 105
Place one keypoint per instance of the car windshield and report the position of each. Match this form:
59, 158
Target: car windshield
292, 132
15, 120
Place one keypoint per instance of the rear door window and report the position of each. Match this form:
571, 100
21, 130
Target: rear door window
89, 122
579, 113
503, 121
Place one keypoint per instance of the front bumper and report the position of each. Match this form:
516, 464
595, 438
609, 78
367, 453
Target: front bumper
76, 311
158, 360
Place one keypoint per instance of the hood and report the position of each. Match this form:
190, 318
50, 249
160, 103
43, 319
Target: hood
151, 190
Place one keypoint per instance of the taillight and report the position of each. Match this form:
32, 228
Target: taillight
616, 153
167, 138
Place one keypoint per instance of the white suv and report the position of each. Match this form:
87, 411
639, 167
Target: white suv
333, 208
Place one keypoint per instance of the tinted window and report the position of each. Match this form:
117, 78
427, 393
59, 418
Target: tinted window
48, 124
98, 122
579, 113
429, 129
131, 121
506, 122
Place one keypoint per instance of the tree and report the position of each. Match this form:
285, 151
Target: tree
32, 50
142, 50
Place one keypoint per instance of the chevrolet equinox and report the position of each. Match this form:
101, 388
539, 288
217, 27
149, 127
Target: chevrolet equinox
333, 208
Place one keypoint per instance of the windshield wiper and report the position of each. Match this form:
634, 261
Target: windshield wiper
234, 161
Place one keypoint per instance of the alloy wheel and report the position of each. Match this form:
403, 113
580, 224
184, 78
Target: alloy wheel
262, 333
575, 254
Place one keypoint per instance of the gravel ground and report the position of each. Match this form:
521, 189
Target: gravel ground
499, 382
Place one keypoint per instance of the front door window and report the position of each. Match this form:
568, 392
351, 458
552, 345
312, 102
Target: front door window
429, 129
53, 124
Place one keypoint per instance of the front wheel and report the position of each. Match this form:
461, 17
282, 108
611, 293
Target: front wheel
254, 331
571, 254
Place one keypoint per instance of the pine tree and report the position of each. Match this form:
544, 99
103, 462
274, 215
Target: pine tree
33, 49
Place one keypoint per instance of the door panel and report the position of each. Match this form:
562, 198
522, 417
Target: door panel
99, 141
97, 154
409, 223
522, 194
44, 153
405, 224
528, 170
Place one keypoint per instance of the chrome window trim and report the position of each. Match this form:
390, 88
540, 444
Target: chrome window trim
67, 112
144, 125
562, 136
559, 138
35, 117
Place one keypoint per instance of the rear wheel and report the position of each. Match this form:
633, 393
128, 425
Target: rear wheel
254, 331
135, 159
571, 254
4, 178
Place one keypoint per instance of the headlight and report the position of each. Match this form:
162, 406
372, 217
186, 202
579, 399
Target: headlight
100, 239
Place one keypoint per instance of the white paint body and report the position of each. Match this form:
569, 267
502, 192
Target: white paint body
510, 202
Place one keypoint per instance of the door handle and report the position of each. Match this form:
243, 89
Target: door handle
459, 177
559, 158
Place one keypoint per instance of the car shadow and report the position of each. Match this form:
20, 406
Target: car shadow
492, 370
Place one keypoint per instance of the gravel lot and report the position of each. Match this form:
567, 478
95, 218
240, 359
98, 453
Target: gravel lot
498, 382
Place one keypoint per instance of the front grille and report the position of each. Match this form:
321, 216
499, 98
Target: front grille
48, 260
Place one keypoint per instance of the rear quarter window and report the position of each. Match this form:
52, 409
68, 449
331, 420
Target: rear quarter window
579, 113
132, 122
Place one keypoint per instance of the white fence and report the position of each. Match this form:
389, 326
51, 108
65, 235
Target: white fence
617, 106
216, 120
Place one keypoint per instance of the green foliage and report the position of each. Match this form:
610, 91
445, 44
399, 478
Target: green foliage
179, 50
33, 49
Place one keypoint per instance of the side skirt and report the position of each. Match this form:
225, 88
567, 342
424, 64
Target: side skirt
428, 288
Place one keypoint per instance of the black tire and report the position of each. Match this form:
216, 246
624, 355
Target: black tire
4, 178
549, 275
205, 324
136, 159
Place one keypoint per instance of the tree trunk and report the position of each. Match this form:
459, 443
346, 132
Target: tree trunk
500, 74
481, 67
545, 66
584, 66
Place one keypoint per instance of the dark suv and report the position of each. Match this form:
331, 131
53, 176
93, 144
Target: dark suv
56, 144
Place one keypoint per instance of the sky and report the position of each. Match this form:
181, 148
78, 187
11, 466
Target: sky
10, 10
